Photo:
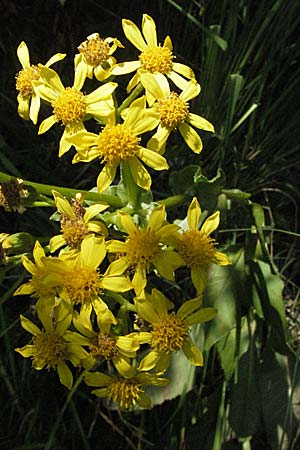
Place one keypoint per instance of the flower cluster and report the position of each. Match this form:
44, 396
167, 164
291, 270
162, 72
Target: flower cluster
104, 270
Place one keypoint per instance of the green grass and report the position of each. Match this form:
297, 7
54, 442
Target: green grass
246, 58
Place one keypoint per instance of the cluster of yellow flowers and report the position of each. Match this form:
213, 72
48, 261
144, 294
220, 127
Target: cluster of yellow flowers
97, 308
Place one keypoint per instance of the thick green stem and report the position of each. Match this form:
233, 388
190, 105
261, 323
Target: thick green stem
47, 189
134, 94
133, 191
175, 200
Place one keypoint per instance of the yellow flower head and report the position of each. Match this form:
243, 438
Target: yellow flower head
145, 249
120, 143
197, 248
70, 106
172, 111
80, 281
52, 346
76, 221
28, 100
153, 58
169, 330
125, 389
97, 53
104, 345
42, 285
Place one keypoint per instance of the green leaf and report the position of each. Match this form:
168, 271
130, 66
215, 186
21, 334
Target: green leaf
227, 291
268, 301
245, 405
232, 346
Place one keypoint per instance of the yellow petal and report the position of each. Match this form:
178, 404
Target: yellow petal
133, 34
97, 379
46, 124
63, 205
23, 106
115, 246
116, 284
152, 159
125, 67
139, 173
149, 30
93, 251
29, 326
189, 307
158, 141
65, 375
83, 139
80, 75
157, 218
191, 138
139, 280
156, 83
193, 353
146, 310
93, 210
34, 108
106, 177
201, 316
178, 80
51, 78
200, 122
27, 351
191, 91
23, 55
149, 361
193, 214
55, 58
199, 277
64, 143
56, 242
221, 259
127, 223
101, 93
118, 266
211, 223
184, 70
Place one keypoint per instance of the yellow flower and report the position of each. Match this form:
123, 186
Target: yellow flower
197, 248
28, 100
52, 346
173, 113
145, 248
97, 53
42, 284
125, 389
104, 345
169, 330
81, 282
70, 106
153, 58
120, 143
76, 221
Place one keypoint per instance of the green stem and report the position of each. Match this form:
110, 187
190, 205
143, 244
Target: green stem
132, 189
134, 94
47, 189
174, 200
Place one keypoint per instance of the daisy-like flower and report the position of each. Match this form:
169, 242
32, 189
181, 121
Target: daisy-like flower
28, 100
120, 143
97, 55
70, 105
104, 345
197, 248
53, 345
125, 389
76, 221
153, 58
81, 282
42, 285
169, 330
145, 248
173, 113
